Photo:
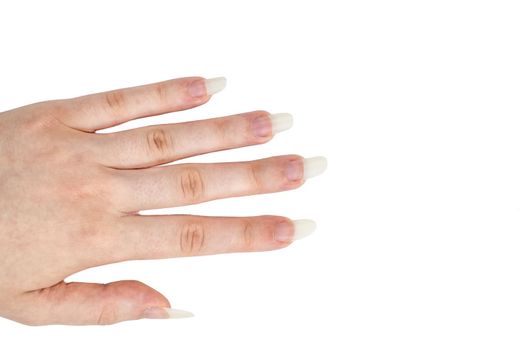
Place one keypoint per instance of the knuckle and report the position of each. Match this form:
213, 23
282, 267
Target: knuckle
161, 92
247, 237
159, 142
115, 101
79, 191
191, 238
92, 234
191, 185
223, 129
255, 178
42, 116
107, 316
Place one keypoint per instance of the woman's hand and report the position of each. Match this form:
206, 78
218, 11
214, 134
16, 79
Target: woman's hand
69, 197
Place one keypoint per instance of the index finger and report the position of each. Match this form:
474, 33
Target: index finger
107, 109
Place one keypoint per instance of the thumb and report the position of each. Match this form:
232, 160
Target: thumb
90, 303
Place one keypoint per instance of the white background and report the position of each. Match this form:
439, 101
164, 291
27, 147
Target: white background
418, 106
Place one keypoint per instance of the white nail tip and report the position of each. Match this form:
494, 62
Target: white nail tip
174, 313
215, 85
303, 228
314, 166
281, 122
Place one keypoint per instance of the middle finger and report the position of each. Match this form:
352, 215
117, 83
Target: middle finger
185, 184
158, 144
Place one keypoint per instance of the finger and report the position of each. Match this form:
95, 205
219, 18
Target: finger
185, 184
106, 109
89, 303
153, 145
158, 237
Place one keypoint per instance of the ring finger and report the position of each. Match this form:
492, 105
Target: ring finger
171, 236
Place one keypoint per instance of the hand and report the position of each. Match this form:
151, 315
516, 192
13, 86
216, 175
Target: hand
69, 198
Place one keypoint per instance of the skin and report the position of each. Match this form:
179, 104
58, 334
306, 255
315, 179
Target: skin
69, 198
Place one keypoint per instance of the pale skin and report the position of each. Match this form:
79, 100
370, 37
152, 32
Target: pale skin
70, 197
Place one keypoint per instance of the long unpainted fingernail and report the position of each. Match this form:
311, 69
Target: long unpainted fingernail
265, 126
314, 166
215, 85
286, 233
165, 313
281, 122
295, 170
303, 228
303, 169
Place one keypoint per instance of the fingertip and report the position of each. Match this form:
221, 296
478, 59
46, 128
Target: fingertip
264, 125
134, 297
201, 89
197, 88
294, 171
288, 231
284, 231
260, 126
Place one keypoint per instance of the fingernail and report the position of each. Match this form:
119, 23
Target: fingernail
314, 166
295, 170
215, 85
281, 122
262, 126
303, 228
284, 232
165, 313
265, 126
